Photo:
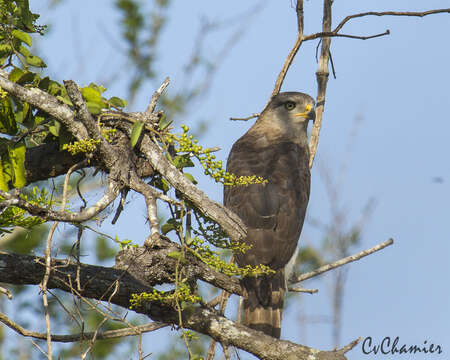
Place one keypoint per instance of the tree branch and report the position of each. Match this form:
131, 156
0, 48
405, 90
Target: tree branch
341, 262
294, 50
389, 13
322, 80
46, 102
109, 334
333, 34
13, 199
229, 221
97, 282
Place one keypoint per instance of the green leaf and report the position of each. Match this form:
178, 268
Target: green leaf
55, 128
54, 88
118, 102
44, 83
94, 108
160, 183
136, 132
99, 88
23, 113
164, 122
7, 119
16, 74
65, 100
26, 78
5, 50
171, 224
17, 156
91, 94
3, 180
22, 36
174, 254
191, 178
182, 161
35, 61
24, 51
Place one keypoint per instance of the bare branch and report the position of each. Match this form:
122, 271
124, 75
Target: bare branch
110, 334
333, 34
301, 290
287, 64
255, 115
6, 292
47, 214
341, 262
389, 13
152, 105
294, 50
322, 80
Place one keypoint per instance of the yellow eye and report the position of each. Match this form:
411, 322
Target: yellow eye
289, 105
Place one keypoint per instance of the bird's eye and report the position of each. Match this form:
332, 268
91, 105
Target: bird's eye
289, 105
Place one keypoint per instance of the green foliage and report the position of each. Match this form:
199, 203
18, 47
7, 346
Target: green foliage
187, 147
16, 24
212, 258
14, 216
182, 294
103, 249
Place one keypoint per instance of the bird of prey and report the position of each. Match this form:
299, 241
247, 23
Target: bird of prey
275, 148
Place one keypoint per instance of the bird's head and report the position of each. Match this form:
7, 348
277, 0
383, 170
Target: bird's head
289, 113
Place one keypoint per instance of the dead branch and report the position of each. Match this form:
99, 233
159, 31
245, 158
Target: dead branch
333, 34
322, 80
389, 13
341, 262
13, 199
294, 50
109, 334
154, 100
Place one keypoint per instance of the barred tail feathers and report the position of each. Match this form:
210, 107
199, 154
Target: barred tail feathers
263, 302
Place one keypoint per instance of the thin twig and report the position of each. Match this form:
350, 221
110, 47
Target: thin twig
350, 346
156, 95
255, 115
301, 290
48, 260
389, 13
6, 292
334, 34
341, 262
293, 52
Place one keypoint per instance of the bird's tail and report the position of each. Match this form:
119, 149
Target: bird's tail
263, 302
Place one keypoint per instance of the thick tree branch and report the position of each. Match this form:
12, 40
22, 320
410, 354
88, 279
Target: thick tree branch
153, 266
98, 283
46, 102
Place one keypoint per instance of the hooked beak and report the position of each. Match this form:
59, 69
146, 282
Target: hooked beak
309, 113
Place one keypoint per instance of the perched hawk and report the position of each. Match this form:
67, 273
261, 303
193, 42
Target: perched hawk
276, 148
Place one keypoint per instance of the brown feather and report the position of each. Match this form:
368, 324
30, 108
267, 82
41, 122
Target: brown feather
275, 148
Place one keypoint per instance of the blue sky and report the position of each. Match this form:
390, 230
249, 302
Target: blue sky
398, 85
